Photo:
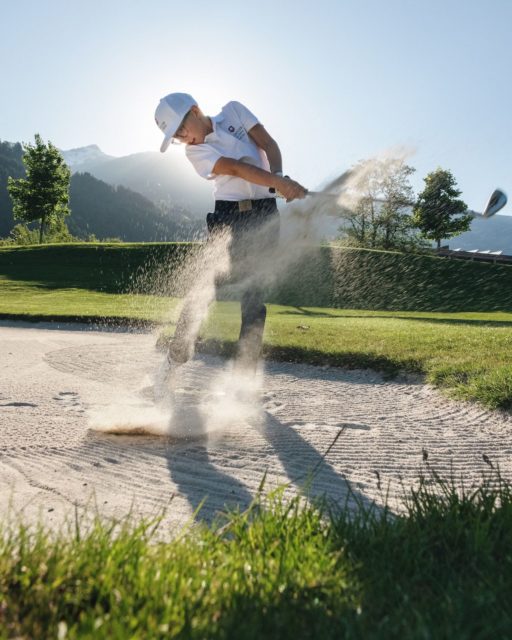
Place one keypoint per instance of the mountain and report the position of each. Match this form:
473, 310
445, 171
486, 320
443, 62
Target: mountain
493, 233
106, 211
77, 158
99, 208
166, 179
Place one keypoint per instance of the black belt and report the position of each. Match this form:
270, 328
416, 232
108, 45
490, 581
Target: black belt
236, 206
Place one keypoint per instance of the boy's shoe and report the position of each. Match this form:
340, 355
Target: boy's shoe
249, 351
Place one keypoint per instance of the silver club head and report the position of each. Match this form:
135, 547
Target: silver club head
496, 202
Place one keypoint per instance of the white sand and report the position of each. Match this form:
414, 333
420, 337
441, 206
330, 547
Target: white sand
56, 384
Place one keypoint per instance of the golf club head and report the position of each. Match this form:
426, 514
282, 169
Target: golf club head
496, 202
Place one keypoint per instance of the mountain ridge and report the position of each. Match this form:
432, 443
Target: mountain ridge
100, 208
168, 183
79, 156
165, 179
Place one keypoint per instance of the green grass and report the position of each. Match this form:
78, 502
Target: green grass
467, 353
27, 299
442, 569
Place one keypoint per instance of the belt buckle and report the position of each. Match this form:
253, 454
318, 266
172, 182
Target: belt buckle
244, 205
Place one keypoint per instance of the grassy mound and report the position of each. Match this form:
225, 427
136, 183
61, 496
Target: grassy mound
383, 280
324, 277
110, 268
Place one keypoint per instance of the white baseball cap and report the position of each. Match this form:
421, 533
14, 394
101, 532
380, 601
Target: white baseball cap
170, 112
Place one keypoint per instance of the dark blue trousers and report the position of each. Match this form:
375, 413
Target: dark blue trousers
254, 238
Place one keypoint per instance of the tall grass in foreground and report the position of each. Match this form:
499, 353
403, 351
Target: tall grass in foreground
282, 569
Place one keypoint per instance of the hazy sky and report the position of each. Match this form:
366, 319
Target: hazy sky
333, 81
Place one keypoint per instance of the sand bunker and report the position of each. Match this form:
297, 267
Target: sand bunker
79, 428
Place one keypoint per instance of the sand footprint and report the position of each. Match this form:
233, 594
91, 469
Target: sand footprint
70, 401
271, 405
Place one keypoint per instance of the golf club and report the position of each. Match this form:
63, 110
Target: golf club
496, 202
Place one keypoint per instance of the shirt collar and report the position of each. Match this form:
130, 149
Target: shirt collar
215, 120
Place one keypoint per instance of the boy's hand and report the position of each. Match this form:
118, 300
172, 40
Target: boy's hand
290, 189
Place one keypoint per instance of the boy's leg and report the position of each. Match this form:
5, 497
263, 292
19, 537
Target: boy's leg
195, 308
250, 340
214, 263
254, 245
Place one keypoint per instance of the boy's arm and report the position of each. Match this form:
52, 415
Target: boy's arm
264, 141
231, 167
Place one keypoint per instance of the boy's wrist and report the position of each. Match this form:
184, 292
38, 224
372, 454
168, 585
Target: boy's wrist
274, 180
278, 175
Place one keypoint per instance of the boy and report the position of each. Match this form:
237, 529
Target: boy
234, 150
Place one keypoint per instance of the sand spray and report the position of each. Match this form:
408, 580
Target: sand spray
196, 399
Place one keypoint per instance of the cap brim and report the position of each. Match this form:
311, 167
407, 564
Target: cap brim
165, 144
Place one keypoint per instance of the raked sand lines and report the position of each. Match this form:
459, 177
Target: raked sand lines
56, 384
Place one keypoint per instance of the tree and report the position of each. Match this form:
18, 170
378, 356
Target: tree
59, 233
383, 197
44, 194
438, 212
22, 235
11, 164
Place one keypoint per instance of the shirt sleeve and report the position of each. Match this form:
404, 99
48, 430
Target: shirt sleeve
203, 158
247, 118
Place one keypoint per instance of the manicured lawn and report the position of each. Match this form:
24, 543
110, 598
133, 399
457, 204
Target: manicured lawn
30, 299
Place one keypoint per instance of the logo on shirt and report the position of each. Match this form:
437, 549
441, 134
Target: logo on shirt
238, 133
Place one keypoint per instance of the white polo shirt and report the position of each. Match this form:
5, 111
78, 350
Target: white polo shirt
230, 139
